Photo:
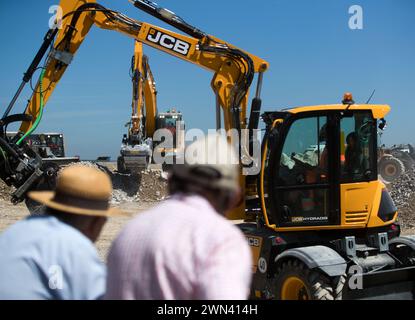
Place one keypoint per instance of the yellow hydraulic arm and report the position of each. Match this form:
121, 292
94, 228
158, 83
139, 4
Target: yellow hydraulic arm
144, 93
233, 68
150, 98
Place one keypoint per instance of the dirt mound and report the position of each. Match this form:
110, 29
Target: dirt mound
403, 194
407, 215
403, 189
149, 186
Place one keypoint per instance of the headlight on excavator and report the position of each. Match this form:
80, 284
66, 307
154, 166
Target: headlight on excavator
387, 208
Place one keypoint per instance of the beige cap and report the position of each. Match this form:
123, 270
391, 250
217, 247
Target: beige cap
211, 161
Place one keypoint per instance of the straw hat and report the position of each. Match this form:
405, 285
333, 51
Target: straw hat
80, 190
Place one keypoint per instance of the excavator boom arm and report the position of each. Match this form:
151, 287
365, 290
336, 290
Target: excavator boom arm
233, 67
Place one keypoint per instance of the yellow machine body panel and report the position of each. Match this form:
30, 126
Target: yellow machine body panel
360, 204
255, 244
379, 111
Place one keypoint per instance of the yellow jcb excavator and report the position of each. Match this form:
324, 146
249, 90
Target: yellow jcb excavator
325, 225
138, 145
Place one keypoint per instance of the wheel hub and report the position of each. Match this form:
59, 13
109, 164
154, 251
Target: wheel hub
294, 288
390, 170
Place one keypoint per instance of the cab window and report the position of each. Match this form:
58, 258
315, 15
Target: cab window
302, 181
357, 141
304, 158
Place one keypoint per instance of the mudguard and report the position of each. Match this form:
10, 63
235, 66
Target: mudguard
317, 257
406, 240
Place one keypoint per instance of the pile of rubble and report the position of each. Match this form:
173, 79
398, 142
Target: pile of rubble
403, 189
149, 186
403, 193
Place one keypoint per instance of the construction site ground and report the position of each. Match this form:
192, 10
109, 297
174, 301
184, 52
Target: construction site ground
134, 195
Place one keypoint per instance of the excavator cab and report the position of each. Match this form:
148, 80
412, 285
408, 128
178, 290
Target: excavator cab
323, 168
172, 120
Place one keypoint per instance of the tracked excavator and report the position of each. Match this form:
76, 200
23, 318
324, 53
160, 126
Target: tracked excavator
138, 145
136, 148
325, 225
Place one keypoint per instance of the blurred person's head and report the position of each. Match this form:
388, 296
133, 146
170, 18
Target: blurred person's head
81, 199
211, 170
351, 140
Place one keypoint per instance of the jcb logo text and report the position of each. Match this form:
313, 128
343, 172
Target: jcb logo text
168, 42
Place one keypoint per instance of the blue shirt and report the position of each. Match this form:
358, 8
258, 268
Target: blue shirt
44, 258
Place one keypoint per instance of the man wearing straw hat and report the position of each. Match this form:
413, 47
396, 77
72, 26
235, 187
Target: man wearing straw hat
52, 256
185, 249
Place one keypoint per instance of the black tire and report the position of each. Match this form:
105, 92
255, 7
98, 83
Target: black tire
391, 168
316, 285
403, 252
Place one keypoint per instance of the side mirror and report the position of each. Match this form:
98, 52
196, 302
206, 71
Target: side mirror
382, 124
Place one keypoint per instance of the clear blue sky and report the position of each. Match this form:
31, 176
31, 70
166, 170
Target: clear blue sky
313, 54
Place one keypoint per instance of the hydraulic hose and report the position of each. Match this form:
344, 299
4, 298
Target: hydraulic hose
35, 125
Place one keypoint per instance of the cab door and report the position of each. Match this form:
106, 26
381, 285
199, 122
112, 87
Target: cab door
358, 135
303, 188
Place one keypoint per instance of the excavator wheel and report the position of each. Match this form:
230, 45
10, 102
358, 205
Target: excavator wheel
391, 168
294, 281
404, 252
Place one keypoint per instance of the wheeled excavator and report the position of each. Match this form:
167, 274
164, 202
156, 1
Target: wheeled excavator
325, 225
138, 145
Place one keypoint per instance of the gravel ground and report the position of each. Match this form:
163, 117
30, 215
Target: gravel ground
10, 214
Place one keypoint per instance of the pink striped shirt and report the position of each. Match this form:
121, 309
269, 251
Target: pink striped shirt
180, 250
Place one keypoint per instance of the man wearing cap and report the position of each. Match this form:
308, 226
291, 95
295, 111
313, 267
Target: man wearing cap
52, 256
185, 249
